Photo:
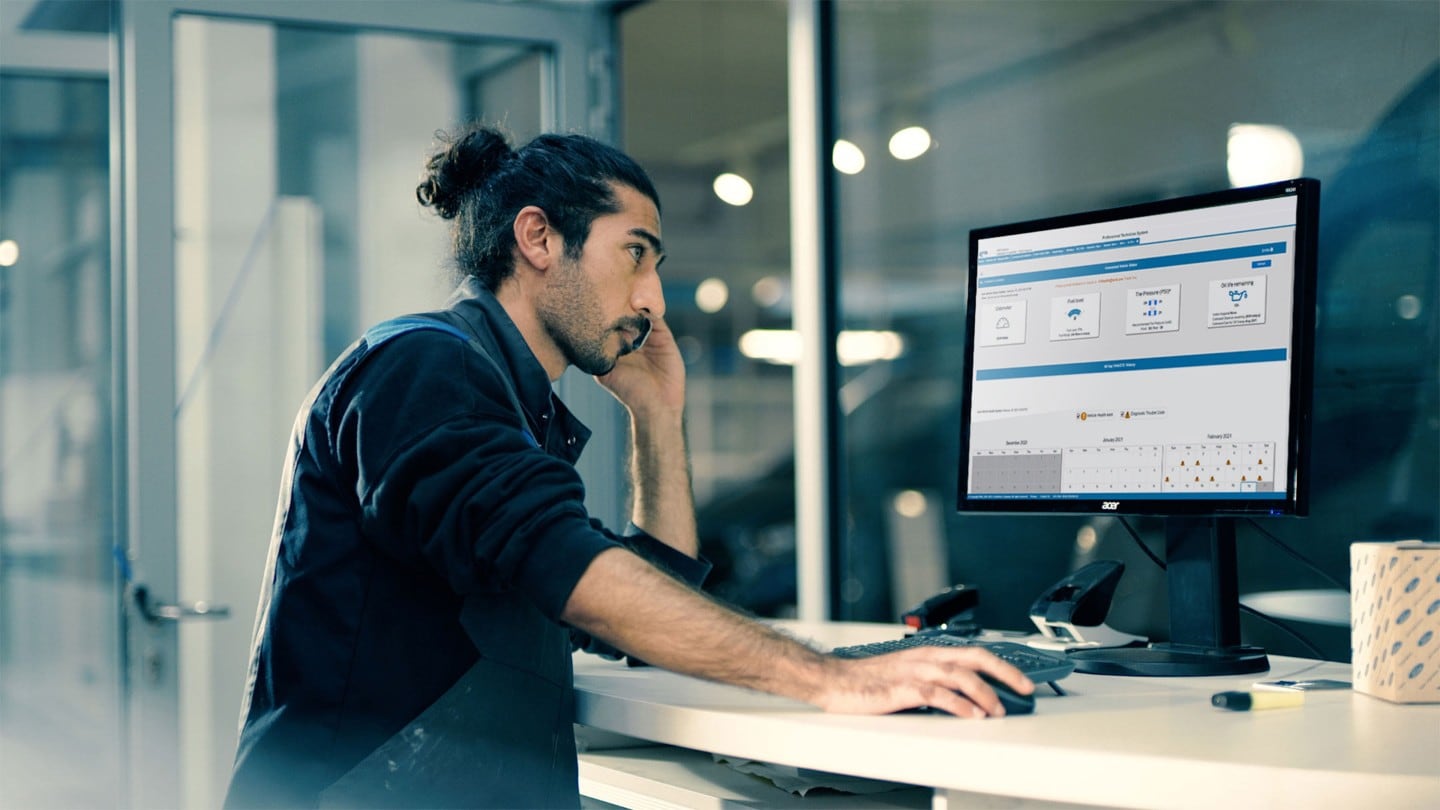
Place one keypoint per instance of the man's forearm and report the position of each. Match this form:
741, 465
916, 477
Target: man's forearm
650, 615
634, 606
664, 503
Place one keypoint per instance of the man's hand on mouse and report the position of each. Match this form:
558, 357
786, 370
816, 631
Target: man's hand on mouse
942, 678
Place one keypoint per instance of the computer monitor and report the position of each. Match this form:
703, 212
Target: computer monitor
1154, 359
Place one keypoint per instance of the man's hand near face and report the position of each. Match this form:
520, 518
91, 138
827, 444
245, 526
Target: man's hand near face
650, 383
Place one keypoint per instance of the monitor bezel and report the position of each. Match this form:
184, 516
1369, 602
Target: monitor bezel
1297, 484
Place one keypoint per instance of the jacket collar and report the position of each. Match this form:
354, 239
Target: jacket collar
492, 326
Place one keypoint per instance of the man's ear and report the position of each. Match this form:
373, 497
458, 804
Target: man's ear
535, 239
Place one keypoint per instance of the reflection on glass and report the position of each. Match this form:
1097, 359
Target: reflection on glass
847, 157
733, 189
1039, 109
910, 143
1262, 153
60, 670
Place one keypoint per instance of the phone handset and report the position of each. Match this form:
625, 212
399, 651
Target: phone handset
639, 342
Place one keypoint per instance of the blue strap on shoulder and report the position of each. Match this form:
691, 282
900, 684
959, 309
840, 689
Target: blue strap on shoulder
385, 330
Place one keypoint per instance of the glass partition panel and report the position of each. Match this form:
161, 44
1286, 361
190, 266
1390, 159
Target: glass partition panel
297, 152
973, 114
60, 663
705, 112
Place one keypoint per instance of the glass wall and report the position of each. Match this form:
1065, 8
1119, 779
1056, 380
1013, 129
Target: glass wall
296, 228
1043, 108
60, 673
704, 98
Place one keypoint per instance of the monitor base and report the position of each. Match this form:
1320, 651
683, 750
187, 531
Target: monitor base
1170, 661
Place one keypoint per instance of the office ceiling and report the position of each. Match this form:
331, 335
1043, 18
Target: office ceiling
723, 62
706, 91
714, 71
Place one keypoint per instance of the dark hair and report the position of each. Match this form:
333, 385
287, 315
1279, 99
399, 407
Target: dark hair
475, 179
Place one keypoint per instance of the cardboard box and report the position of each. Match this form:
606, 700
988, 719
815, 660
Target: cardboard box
1395, 620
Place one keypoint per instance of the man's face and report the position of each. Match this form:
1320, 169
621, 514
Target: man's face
596, 309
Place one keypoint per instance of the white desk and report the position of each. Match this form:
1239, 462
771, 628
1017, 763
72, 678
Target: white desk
1112, 741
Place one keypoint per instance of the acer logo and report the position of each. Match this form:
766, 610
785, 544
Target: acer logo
1109, 506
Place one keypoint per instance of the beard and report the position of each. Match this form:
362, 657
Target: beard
570, 314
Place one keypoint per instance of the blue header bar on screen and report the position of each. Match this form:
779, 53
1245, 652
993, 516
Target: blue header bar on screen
1197, 257
1134, 364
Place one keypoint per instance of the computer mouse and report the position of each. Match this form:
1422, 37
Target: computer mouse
1014, 702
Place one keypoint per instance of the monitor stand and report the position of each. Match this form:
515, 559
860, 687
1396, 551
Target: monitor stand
1204, 611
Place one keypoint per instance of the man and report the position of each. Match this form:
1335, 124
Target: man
432, 564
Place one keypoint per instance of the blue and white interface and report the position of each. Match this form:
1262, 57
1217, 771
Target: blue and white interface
1139, 358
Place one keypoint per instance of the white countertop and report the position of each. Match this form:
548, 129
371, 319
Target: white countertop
1131, 742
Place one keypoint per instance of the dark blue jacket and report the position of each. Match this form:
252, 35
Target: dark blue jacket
408, 648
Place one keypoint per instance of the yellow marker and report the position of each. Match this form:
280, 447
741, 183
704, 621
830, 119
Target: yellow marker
1255, 701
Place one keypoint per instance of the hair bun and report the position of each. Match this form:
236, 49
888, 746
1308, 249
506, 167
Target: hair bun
462, 162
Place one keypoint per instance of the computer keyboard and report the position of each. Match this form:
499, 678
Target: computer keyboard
1039, 666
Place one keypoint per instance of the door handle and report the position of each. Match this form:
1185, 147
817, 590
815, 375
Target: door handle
156, 612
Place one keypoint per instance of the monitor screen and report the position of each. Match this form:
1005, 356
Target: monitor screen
1152, 359
1149, 359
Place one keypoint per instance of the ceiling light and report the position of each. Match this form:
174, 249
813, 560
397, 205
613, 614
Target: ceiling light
910, 503
1262, 153
768, 291
779, 346
847, 157
733, 189
711, 295
854, 347
910, 143
9, 253
1408, 306
858, 347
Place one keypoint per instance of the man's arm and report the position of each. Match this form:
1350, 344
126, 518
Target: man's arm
651, 385
634, 606
641, 610
663, 499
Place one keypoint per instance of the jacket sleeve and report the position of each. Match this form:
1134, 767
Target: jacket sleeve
448, 477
